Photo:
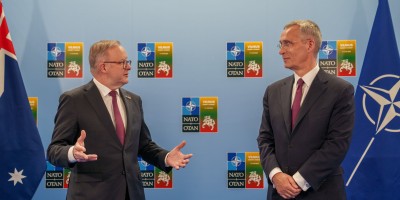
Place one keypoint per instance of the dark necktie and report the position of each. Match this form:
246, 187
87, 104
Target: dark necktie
297, 101
119, 124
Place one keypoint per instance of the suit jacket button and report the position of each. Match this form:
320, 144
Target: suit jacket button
123, 172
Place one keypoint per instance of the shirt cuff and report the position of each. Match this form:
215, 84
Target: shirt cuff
71, 158
273, 172
165, 160
304, 185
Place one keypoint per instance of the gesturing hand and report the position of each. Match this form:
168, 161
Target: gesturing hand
79, 150
176, 158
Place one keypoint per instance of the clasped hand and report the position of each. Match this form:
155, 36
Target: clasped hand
285, 185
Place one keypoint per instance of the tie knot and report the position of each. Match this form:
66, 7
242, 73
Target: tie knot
300, 82
113, 93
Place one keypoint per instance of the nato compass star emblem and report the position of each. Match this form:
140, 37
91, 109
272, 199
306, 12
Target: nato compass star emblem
55, 51
190, 106
235, 51
146, 51
144, 163
327, 50
388, 101
236, 161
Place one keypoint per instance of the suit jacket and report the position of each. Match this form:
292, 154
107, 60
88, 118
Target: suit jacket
117, 166
319, 140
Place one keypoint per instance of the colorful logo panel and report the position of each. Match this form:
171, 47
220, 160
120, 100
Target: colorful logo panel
33, 102
244, 59
57, 177
338, 57
65, 60
253, 59
190, 114
328, 57
200, 114
155, 60
74, 59
346, 57
209, 114
254, 171
245, 171
236, 170
152, 177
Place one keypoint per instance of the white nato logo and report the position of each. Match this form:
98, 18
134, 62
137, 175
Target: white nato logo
144, 163
55, 51
146, 51
236, 161
235, 51
386, 99
190, 106
327, 50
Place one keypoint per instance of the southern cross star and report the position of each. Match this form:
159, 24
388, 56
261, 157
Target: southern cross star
17, 176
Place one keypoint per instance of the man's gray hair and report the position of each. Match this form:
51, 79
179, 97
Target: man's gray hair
308, 28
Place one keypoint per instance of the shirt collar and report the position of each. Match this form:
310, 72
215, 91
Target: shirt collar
309, 77
104, 90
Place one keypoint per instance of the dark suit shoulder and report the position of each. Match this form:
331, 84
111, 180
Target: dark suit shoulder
80, 90
282, 82
333, 80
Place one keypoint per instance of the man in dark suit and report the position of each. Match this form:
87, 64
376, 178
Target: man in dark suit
100, 132
306, 125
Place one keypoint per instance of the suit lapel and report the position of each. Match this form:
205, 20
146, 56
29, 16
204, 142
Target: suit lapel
318, 86
96, 101
128, 101
286, 93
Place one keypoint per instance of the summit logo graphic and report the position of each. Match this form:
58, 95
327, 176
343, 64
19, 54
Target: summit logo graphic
155, 60
245, 171
200, 114
244, 59
65, 60
338, 57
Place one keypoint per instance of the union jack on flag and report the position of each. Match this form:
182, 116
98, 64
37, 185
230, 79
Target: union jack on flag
6, 47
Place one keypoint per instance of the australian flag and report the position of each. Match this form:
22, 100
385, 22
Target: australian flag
22, 154
372, 164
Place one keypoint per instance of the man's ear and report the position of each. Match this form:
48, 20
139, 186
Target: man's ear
310, 45
102, 67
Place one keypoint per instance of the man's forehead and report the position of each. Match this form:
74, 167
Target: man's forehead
117, 51
290, 32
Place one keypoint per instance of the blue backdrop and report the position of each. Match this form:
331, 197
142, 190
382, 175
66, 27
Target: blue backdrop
199, 31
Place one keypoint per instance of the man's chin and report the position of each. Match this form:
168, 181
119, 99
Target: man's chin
288, 66
124, 82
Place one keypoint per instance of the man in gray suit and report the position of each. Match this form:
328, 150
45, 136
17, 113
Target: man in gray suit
306, 125
100, 132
